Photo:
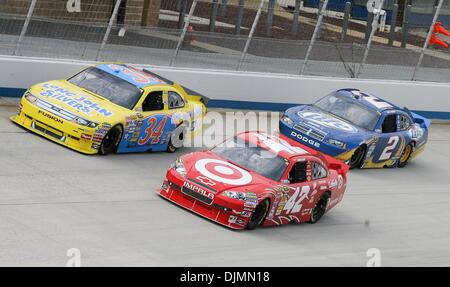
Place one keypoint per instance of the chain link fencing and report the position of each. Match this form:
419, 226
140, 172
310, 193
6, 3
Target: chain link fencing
336, 38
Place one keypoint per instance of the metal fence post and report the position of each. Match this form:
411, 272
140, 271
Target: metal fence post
25, 26
430, 32
346, 19
314, 36
212, 18
183, 33
405, 25
294, 28
321, 3
369, 42
393, 24
250, 35
370, 18
269, 23
237, 27
223, 9
108, 30
182, 15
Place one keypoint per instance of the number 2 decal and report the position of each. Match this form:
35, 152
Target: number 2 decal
389, 149
153, 130
294, 204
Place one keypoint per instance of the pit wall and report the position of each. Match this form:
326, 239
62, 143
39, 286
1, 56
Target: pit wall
242, 90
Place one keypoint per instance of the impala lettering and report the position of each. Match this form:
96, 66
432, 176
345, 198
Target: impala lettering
198, 190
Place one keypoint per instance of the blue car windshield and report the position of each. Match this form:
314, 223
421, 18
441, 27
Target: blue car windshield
252, 157
350, 111
113, 88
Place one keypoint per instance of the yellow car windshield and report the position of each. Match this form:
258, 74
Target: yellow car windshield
108, 86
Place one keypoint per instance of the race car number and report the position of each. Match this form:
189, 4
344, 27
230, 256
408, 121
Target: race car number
153, 130
390, 148
294, 204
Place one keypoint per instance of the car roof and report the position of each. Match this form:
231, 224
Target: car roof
137, 77
273, 143
367, 99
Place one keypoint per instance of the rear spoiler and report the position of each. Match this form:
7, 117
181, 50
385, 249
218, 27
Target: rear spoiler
423, 122
191, 93
332, 163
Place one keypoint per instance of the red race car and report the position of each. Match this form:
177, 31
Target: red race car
256, 179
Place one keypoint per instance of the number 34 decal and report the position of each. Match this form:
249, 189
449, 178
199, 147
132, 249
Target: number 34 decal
390, 148
153, 130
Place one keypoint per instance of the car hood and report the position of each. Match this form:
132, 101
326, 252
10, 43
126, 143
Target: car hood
75, 100
331, 126
208, 170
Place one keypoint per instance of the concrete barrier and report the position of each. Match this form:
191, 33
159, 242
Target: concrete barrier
242, 90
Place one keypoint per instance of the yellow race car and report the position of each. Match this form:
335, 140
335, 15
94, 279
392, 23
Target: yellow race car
113, 108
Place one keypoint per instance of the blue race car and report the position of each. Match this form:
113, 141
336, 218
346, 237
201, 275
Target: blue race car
358, 128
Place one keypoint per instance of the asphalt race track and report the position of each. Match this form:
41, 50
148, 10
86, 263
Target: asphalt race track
53, 199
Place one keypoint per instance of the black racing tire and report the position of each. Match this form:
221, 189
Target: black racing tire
259, 214
320, 208
179, 134
406, 155
357, 158
111, 140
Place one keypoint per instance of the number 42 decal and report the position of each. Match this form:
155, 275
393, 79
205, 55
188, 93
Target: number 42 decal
294, 204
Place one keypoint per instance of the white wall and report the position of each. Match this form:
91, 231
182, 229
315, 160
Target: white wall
20, 72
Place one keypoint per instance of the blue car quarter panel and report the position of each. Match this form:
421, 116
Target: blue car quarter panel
146, 133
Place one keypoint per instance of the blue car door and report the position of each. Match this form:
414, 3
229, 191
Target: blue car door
391, 141
151, 129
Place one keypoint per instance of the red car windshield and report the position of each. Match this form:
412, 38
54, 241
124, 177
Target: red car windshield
251, 157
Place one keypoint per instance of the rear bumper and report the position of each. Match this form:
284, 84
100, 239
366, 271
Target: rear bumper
218, 211
54, 128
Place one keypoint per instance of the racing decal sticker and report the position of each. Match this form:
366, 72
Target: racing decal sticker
99, 134
251, 200
205, 180
134, 75
153, 129
77, 101
198, 189
388, 148
415, 131
277, 145
222, 171
327, 121
236, 220
294, 204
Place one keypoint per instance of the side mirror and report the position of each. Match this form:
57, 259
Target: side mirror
285, 181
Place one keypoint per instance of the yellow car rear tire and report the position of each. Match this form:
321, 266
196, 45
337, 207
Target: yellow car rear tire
406, 155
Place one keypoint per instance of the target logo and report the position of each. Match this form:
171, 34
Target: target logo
223, 171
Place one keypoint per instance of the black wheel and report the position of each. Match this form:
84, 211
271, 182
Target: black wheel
259, 214
320, 208
176, 139
406, 155
357, 157
111, 140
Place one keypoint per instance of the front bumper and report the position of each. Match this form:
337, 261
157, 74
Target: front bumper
54, 128
220, 210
